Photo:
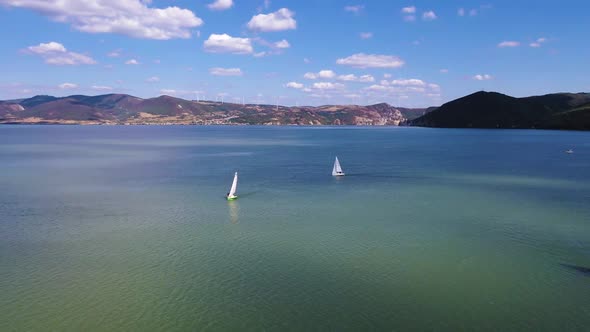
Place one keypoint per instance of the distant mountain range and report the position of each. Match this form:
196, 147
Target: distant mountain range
495, 110
479, 110
125, 109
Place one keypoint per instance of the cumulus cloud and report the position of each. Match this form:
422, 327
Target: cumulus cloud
168, 91
221, 4
217, 71
131, 17
362, 60
131, 62
508, 43
366, 35
282, 44
327, 86
56, 54
101, 88
66, 86
354, 9
366, 78
224, 43
408, 82
429, 15
484, 77
325, 73
153, 79
294, 85
280, 20
409, 10
354, 78
47, 48
538, 42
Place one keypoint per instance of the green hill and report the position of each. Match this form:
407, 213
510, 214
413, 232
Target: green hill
495, 110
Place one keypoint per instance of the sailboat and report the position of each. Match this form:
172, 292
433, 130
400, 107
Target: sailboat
337, 170
231, 195
569, 151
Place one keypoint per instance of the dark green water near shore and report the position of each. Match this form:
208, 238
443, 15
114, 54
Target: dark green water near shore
127, 228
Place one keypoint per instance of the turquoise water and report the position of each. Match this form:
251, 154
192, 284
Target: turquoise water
127, 228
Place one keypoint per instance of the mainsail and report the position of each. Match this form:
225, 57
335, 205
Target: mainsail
337, 170
234, 186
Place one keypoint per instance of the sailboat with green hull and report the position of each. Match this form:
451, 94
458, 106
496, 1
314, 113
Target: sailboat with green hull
231, 195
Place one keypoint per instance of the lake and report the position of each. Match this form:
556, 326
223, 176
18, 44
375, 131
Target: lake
127, 228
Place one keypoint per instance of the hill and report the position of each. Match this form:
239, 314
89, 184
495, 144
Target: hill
495, 110
126, 109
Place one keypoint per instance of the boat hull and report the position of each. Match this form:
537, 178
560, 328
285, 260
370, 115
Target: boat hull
233, 198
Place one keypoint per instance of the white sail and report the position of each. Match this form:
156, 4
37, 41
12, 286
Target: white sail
234, 186
337, 170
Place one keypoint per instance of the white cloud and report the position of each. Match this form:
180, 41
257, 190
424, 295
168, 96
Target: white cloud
282, 44
434, 87
131, 17
325, 73
408, 82
538, 42
509, 43
366, 35
168, 91
386, 75
409, 18
48, 48
294, 85
349, 77
473, 12
306, 60
354, 9
310, 76
153, 79
221, 4
131, 62
409, 10
354, 78
259, 54
56, 54
217, 71
66, 86
366, 78
362, 60
224, 43
484, 77
101, 88
429, 15
280, 20
461, 12
327, 86
444, 71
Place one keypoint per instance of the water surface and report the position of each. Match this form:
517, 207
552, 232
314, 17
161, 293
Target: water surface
126, 228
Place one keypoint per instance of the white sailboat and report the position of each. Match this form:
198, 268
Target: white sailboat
337, 170
231, 195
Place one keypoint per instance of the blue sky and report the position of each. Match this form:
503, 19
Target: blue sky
406, 53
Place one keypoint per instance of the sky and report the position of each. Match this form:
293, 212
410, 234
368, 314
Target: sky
294, 52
